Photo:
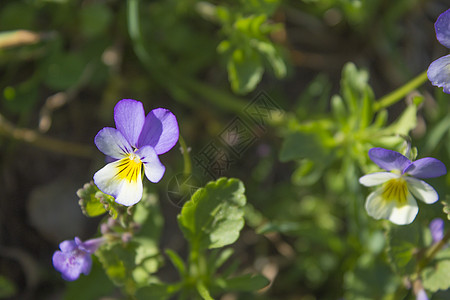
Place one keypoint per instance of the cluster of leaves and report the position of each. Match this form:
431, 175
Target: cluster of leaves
328, 222
211, 219
356, 124
247, 46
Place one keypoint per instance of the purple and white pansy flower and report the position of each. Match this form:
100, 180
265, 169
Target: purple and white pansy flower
133, 146
395, 200
439, 70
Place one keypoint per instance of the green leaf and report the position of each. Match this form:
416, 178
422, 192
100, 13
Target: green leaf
94, 202
353, 85
148, 215
273, 57
251, 25
117, 261
176, 261
308, 172
339, 109
403, 243
213, 217
244, 71
203, 291
446, 208
380, 119
366, 110
437, 276
216, 261
90, 205
299, 145
402, 126
132, 264
246, 283
231, 268
156, 292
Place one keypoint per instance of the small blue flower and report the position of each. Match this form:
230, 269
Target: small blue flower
395, 199
421, 295
439, 70
75, 257
437, 229
132, 148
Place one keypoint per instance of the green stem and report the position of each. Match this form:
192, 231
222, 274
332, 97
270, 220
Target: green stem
431, 253
400, 93
186, 157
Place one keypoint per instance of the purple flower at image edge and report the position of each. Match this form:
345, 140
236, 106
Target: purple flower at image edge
437, 229
400, 186
133, 146
421, 295
439, 70
74, 257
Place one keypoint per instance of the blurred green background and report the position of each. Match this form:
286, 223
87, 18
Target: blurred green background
64, 64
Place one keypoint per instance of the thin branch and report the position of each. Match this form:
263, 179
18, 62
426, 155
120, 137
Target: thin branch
42, 141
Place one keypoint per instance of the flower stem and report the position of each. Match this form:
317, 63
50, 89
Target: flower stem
401, 92
431, 253
186, 157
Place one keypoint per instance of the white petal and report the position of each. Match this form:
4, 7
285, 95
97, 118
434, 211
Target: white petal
125, 192
405, 214
377, 207
422, 190
377, 178
154, 172
130, 192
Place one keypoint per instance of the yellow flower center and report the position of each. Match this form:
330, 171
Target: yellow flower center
395, 190
129, 168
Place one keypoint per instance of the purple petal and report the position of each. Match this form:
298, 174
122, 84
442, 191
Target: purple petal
427, 167
76, 265
78, 241
59, 259
160, 131
72, 264
90, 246
67, 246
442, 27
109, 159
388, 159
112, 143
86, 265
439, 73
437, 229
421, 295
129, 116
153, 168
